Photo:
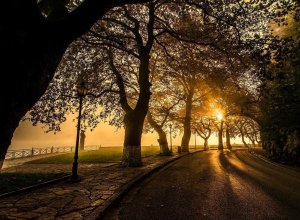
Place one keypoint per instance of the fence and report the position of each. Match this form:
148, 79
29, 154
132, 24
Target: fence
14, 154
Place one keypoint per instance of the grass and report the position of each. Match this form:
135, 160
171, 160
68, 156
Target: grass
105, 154
15, 181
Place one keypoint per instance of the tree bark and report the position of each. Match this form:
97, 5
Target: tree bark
187, 122
134, 119
133, 123
228, 143
205, 143
244, 142
162, 140
220, 136
31, 48
82, 140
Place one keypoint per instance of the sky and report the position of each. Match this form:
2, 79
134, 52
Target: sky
28, 136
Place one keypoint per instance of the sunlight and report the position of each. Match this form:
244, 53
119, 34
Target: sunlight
219, 115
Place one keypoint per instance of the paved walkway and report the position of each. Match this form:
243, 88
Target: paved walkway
215, 185
84, 200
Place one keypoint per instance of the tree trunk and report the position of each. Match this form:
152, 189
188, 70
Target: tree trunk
82, 140
134, 119
228, 143
187, 123
205, 143
133, 123
163, 144
244, 142
220, 136
162, 141
253, 144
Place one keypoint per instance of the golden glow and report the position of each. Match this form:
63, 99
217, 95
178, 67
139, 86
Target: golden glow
219, 115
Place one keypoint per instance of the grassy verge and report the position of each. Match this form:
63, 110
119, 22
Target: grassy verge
15, 181
105, 154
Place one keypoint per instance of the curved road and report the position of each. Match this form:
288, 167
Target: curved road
215, 185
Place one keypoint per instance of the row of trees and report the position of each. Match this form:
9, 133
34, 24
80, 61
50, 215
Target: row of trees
135, 47
186, 50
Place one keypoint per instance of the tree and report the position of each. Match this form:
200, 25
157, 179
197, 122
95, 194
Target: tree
164, 103
203, 128
279, 103
32, 47
116, 57
228, 136
189, 72
247, 129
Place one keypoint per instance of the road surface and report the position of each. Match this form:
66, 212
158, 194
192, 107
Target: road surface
215, 185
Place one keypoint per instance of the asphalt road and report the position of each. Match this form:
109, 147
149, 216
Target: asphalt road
215, 185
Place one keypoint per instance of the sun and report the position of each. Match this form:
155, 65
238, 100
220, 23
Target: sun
219, 115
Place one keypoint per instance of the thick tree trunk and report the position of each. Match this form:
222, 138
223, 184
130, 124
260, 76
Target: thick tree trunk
162, 141
7, 127
27, 81
163, 144
29, 57
187, 123
205, 143
134, 119
133, 123
228, 143
220, 136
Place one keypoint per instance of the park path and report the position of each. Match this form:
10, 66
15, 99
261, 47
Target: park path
215, 185
83, 200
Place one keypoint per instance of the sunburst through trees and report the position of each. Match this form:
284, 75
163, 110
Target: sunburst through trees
209, 65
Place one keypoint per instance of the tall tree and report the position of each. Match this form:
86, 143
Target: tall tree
123, 39
165, 101
279, 91
31, 48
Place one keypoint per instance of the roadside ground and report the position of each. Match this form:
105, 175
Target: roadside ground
100, 185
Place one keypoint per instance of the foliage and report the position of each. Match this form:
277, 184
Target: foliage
193, 53
280, 94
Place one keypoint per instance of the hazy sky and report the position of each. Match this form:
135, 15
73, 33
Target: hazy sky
27, 136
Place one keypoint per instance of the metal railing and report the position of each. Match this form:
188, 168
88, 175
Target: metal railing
14, 154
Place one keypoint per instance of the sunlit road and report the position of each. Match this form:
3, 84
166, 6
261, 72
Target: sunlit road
215, 185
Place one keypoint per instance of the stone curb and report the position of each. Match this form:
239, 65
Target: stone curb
37, 186
117, 197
